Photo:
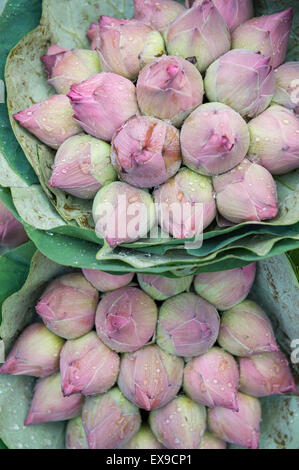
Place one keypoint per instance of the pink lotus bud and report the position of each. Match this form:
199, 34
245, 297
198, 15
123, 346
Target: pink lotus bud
237, 427
169, 88
143, 439
51, 120
157, 13
75, 437
126, 319
12, 232
214, 139
180, 424
200, 34
185, 204
244, 80
109, 420
36, 353
103, 103
188, 325
211, 442
225, 289
287, 86
267, 34
49, 404
266, 374
246, 193
87, 366
161, 288
149, 377
66, 68
146, 152
68, 306
245, 330
125, 46
105, 282
122, 213
274, 140
82, 166
213, 379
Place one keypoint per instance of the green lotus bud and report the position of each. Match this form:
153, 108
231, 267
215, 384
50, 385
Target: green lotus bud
211, 442
143, 439
161, 288
75, 437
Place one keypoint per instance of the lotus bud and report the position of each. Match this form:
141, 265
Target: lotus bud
225, 289
246, 193
185, 204
188, 325
75, 437
214, 139
266, 374
287, 86
267, 34
82, 166
274, 142
109, 420
212, 379
150, 378
103, 103
12, 232
122, 213
69, 67
87, 366
237, 427
125, 46
49, 404
161, 288
51, 120
157, 13
243, 80
126, 319
146, 152
245, 330
199, 34
68, 305
105, 282
211, 442
143, 439
169, 88
180, 424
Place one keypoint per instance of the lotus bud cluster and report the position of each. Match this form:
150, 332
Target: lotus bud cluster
103, 103
180, 424
274, 140
105, 282
225, 289
87, 366
192, 35
146, 152
157, 13
287, 86
267, 34
150, 378
143, 439
214, 139
212, 379
12, 232
210, 442
125, 46
245, 330
246, 193
68, 306
51, 120
75, 437
188, 325
242, 79
69, 67
185, 204
237, 427
161, 288
126, 319
266, 374
169, 88
82, 166
109, 420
